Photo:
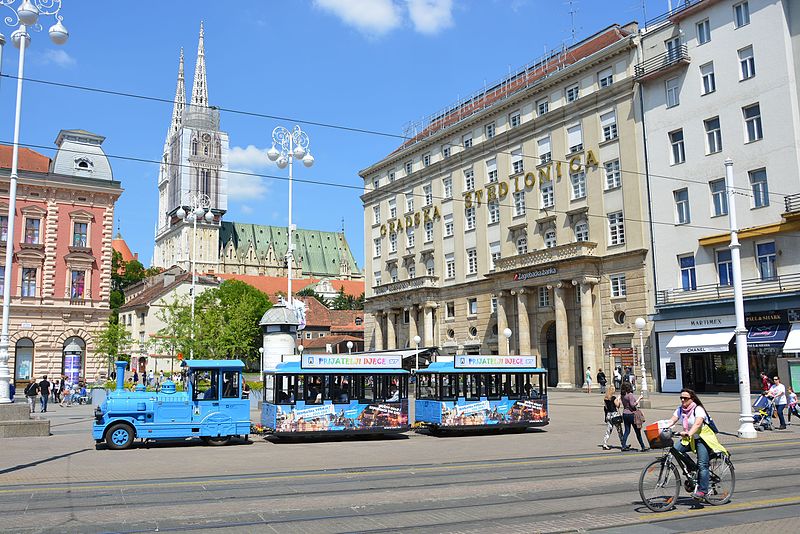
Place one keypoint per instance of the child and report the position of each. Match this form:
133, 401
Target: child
793, 404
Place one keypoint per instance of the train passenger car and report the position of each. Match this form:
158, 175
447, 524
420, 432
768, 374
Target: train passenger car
211, 408
482, 392
336, 393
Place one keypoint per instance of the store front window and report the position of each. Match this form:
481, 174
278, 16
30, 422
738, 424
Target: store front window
23, 359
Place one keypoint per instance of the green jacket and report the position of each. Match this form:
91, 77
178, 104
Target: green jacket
709, 438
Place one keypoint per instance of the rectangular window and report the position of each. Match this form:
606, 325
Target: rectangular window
608, 122
469, 180
472, 306
410, 237
409, 167
605, 77
450, 265
522, 245
678, 151
578, 181
709, 81
519, 203
514, 119
582, 231
469, 218
3, 282
719, 197
391, 176
77, 286
765, 253
517, 165
572, 93
450, 310
393, 274
445, 151
448, 225
491, 170
429, 232
376, 214
682, 215
410, 202
544, 297
377, 277
428, 192
466, 140
725, 267
752, 123
494, 211
494, 255
575, 138
392, 208
426, 159
673, 92
80, 234
713, 135
493, 305
430, 269
548, 196
447, 187
673, 48
489, 130
376, 243
545, 153
28, 282
393, 242
613, 174
759, 188
472, 261
747, 63
3, 228
688, 275
618, 285
616, 228
32, 231
741, 14
703, 32
542, 107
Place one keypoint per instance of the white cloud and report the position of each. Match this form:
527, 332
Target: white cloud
376, 17
245, 162
57, 56
430, 16
250, 157
247, 210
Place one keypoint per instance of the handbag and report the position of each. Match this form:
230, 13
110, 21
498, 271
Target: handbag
615, 418
638, 418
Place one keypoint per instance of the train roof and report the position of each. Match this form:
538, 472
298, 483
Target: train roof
294, 367
449, 367
213, 364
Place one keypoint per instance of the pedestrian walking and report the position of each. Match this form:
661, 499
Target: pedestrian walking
792, 404
630, 406
617, 377
57, 390
778, 394
44, 392
601, 380
764, 381
66, 394
136, 377
613, 416
31, 392
588, 380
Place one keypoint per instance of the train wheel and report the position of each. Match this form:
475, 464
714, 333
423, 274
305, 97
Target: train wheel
217, 440
119, 436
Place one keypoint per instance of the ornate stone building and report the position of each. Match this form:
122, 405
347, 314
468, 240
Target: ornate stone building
61, 281
513, 209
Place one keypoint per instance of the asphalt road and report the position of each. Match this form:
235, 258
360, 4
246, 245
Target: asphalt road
537, 481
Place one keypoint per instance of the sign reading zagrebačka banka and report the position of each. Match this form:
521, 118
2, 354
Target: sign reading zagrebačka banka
495, 191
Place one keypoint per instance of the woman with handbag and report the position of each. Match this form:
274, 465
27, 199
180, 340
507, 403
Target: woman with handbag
630, 406
611, 407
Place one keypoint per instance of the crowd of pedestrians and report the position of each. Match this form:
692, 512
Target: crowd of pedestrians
61, 390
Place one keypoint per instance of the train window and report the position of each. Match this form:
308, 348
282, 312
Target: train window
470, 386
449, 386
397, 388
529, 387
287, 389
230, 385
365, 387
205, 384
427, 386
492, 385
512, 385
381, 387
313, 389
269, 387
341, 388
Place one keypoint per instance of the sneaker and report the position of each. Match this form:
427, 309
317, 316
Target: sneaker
606, 448
782, 427
626, 448
643, 450
699, 495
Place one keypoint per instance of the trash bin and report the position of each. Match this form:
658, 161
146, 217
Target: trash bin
97, 396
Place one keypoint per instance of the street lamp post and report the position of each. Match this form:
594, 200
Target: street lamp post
417, 341
640, 324
286, 146
349, 347
25, 16
507, 334
201, 209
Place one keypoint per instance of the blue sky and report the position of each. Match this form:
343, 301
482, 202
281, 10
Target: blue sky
368, 64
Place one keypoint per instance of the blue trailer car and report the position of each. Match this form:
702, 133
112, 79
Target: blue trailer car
475, 391
337, 393
211, 408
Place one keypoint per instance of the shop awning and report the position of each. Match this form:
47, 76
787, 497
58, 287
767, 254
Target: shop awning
770, 335
705, 341
793, 339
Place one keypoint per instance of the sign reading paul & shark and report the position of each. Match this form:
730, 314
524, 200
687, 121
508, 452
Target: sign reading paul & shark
494, 362
349, 361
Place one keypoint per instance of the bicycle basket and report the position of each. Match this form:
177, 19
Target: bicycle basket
658, 438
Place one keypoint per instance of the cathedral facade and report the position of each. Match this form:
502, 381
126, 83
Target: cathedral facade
194, 165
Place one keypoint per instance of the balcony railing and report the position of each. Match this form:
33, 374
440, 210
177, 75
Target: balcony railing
663, 63
792, 203
547, 255
750, 288
422, 282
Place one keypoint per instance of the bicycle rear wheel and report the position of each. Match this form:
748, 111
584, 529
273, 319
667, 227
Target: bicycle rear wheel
722, 480
659, 485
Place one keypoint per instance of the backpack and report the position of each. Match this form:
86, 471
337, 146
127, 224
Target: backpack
709, 420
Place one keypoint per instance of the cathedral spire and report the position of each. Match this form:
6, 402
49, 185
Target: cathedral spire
199, 89
179, 102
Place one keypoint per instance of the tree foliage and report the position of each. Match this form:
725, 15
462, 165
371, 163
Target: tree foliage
347, 302
124, 274
309, 291
113, 341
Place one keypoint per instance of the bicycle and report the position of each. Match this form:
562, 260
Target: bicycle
660, 481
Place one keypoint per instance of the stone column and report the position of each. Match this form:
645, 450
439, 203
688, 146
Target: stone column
427, 335
412, 325
378, 330
502, 324
535, 349
391, 338
566, 371
524, 335
584, 285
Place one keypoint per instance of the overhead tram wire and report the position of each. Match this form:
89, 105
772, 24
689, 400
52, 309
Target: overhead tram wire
351, 129
361, 190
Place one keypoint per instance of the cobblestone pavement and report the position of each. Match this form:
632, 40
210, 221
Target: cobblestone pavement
550, 480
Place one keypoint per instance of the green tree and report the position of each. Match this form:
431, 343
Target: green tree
113, 341
309, 291
176, 335
124, 274
347, 302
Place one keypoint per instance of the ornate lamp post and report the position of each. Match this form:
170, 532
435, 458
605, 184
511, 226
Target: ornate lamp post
349, 347
201, 209
24, 17
417, 341
286, 146
640, 324
507, 333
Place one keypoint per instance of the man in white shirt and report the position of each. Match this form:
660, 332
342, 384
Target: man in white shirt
778, 393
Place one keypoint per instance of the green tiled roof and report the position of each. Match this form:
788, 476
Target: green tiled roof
321, 252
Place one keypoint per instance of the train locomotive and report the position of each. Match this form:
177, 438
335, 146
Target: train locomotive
211, 408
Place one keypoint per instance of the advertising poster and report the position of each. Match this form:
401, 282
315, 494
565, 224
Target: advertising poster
375, 416
499, 412
72, 367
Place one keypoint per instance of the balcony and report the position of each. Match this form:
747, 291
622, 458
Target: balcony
714, 292
422, 282
571, 251
792, 205
663, 63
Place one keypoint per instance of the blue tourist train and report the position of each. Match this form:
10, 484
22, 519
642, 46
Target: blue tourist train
211, 408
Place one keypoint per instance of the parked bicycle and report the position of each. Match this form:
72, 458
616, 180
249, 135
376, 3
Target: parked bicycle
661, 480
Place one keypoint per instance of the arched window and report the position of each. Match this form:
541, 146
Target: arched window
23, 359
74, 353
582, 231
522, 245
550, 238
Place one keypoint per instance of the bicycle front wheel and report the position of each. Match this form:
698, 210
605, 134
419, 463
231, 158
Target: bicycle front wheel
722, 480
659, 485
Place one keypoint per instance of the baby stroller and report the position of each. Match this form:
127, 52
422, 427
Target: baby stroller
764, 407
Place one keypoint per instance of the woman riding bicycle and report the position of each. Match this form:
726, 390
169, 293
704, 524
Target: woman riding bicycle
696, 436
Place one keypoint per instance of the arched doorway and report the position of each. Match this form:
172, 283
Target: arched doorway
23, 360
73, 355
550, 360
